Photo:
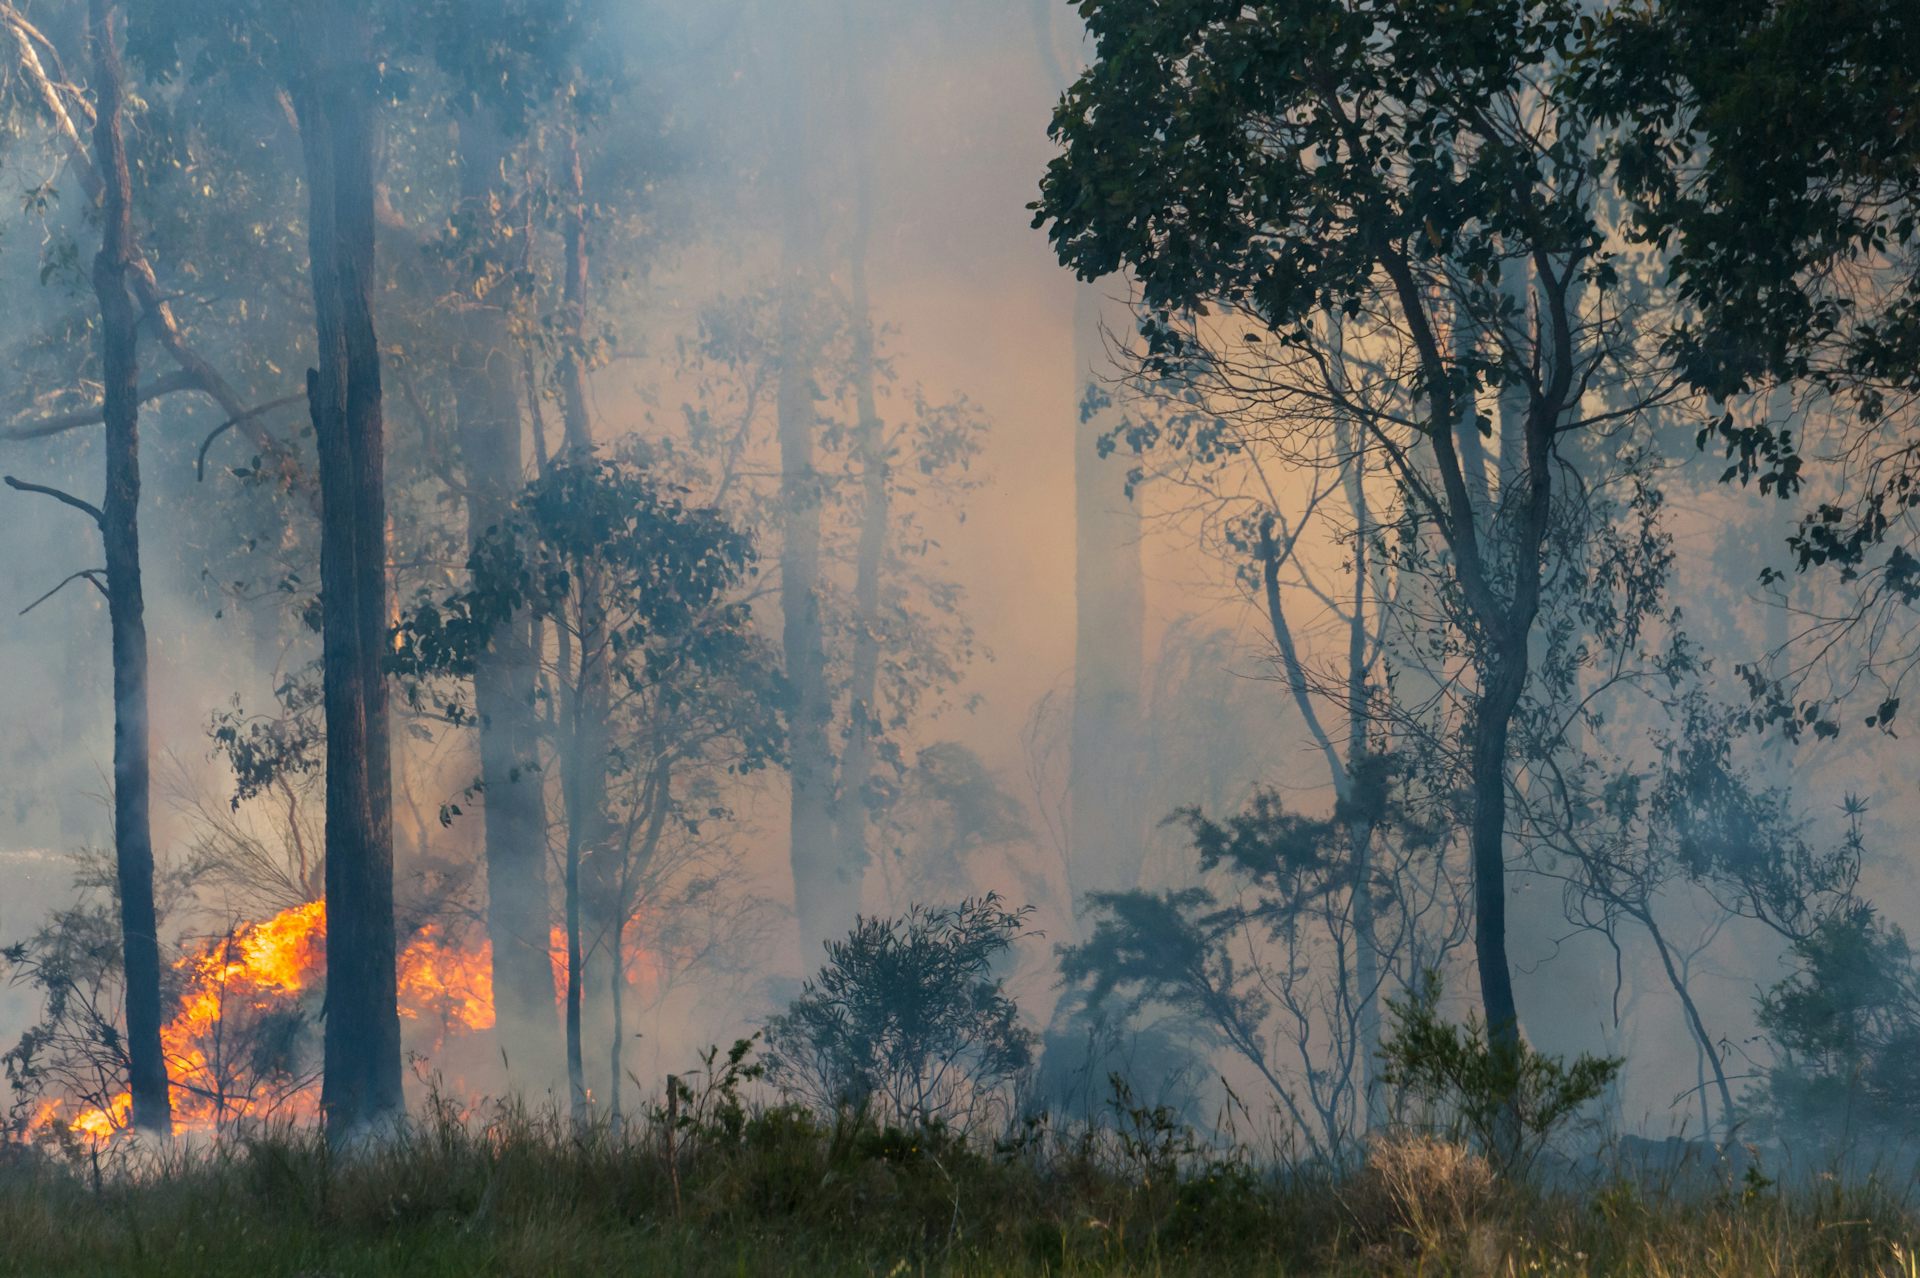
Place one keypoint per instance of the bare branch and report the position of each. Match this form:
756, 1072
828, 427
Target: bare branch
200, 462
91, 575
66, 498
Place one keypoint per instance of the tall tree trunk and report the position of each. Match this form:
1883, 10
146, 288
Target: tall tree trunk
1506, 678
126, 605
1367, 974
1106, 841
584, 761
590, 745
577, 823
1107, 832
826, 890
856, 767
360, 1084
518, 904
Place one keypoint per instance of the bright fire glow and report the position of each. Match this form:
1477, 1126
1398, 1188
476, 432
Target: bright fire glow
264, 970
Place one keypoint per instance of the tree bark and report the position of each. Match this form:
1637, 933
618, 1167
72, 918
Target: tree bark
487, 411
1506, 677
360, 1084
126, 605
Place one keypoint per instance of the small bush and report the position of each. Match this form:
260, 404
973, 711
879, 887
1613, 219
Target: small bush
1500, 1095
905, 1022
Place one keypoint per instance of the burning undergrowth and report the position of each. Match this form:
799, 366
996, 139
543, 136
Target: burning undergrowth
243, 1038
242, 1042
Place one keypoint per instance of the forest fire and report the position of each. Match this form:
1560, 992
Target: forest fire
246, 998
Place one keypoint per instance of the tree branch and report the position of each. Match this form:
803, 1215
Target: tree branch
171, 384
92, 576
200, 462
66, 498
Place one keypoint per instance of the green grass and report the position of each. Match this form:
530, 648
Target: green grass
779, 1192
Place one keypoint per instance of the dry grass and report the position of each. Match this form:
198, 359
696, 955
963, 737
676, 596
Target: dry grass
781, 1192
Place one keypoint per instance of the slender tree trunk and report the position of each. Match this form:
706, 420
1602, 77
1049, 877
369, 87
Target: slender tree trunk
1506, 677
1360, 830
856, 767
576, 976
657, 802
584, 763
590, 745
1107, 832
1696, 1025
617, 1039
826, 890
584, 817
360, 1085
126, 605
518, 903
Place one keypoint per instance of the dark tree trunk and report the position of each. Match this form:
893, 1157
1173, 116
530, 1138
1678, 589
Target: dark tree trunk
126, 606
360, 1086
1506, 678
518, 902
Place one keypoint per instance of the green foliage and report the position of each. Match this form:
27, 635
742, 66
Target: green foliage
1847, 1026
1267, 156
663, 574
1500, 1094
1766, 147
906, 1022
266, 751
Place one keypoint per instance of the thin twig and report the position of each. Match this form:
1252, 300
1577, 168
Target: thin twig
200, 462
92, 575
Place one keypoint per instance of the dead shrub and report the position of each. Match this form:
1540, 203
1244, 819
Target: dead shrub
1420, 1189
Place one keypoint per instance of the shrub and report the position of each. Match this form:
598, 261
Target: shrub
1847, 1027
905, 1022
1501, 1096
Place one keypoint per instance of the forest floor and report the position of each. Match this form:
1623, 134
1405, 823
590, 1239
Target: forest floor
776, 1192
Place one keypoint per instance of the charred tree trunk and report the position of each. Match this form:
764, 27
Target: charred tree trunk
360, 1086
126, 606
486, 405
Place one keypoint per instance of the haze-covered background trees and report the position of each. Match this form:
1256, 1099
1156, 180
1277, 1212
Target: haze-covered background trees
1146, 536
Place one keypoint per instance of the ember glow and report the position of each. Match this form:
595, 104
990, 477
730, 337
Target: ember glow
247, 997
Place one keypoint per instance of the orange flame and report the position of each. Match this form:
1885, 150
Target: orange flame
267, 968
